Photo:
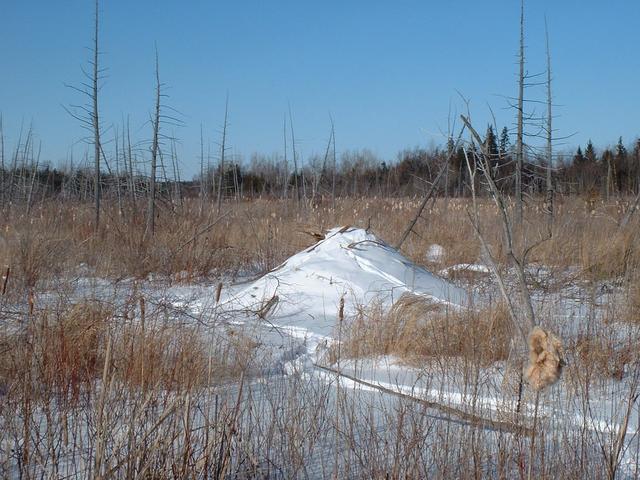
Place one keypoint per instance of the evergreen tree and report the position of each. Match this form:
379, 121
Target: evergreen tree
635, 166
505, 143
579, 158
590, 153
621, 151
622, 167
490, 142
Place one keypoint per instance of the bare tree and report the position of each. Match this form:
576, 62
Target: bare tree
128, 164
321, 175
2, 169
203, 174
223, 148
176, 172
517, 261
286, 164
96, 122
333, 173
89, 114
295, 158
520, 124
155, 122
33, 179
117, 178
549, 131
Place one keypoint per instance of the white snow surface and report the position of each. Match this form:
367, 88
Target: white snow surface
348, 263
435, 253
465, 267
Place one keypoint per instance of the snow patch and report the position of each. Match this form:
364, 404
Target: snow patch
435, 253
348, 263
465, 267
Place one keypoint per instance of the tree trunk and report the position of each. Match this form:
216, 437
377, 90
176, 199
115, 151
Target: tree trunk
96, 126
520, 132
550, 192
222, 152
151, 206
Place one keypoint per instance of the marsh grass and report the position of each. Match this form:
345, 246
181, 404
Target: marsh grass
416, 330
95, 389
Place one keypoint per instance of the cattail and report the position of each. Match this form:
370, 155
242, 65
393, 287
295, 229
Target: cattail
142, 310
218, 292
5, 280
31, 302
545, 359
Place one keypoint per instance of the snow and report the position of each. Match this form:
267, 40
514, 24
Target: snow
355, 265
293, 337
465, 267
348, 263
435, 253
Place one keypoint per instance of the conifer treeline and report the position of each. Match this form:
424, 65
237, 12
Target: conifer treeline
607, 172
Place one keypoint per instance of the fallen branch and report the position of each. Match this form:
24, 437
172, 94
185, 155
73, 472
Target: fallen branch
475, 420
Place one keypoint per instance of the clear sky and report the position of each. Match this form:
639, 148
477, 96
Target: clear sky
387, 71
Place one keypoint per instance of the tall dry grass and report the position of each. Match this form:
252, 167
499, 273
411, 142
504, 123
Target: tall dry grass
95, 389
417, 330
258, 235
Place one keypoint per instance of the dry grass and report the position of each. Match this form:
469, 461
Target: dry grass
258, 235
167, 398
604, 356
55, 353
415, 329
632, 304
61, 353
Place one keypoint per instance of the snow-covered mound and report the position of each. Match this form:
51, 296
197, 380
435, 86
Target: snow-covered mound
349, 263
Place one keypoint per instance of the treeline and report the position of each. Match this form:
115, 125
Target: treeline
608, 172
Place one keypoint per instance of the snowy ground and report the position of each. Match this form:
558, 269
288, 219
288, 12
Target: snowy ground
292, 313
303, 297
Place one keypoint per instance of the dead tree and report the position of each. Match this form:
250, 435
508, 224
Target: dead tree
176, 172
117, 178
518, 261
13, 167
155, 147
333, 173
2, 169
545, 361
295, 159
203, 190
549, 131
89, 114
319, 177
223, 148
132, 180
285, 189
96, 123
33, 180
520, 124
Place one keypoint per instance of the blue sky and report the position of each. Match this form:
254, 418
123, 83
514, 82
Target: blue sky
386, 71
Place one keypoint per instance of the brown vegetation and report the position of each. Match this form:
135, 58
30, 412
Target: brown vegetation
177, 399
261, 233
415, 330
